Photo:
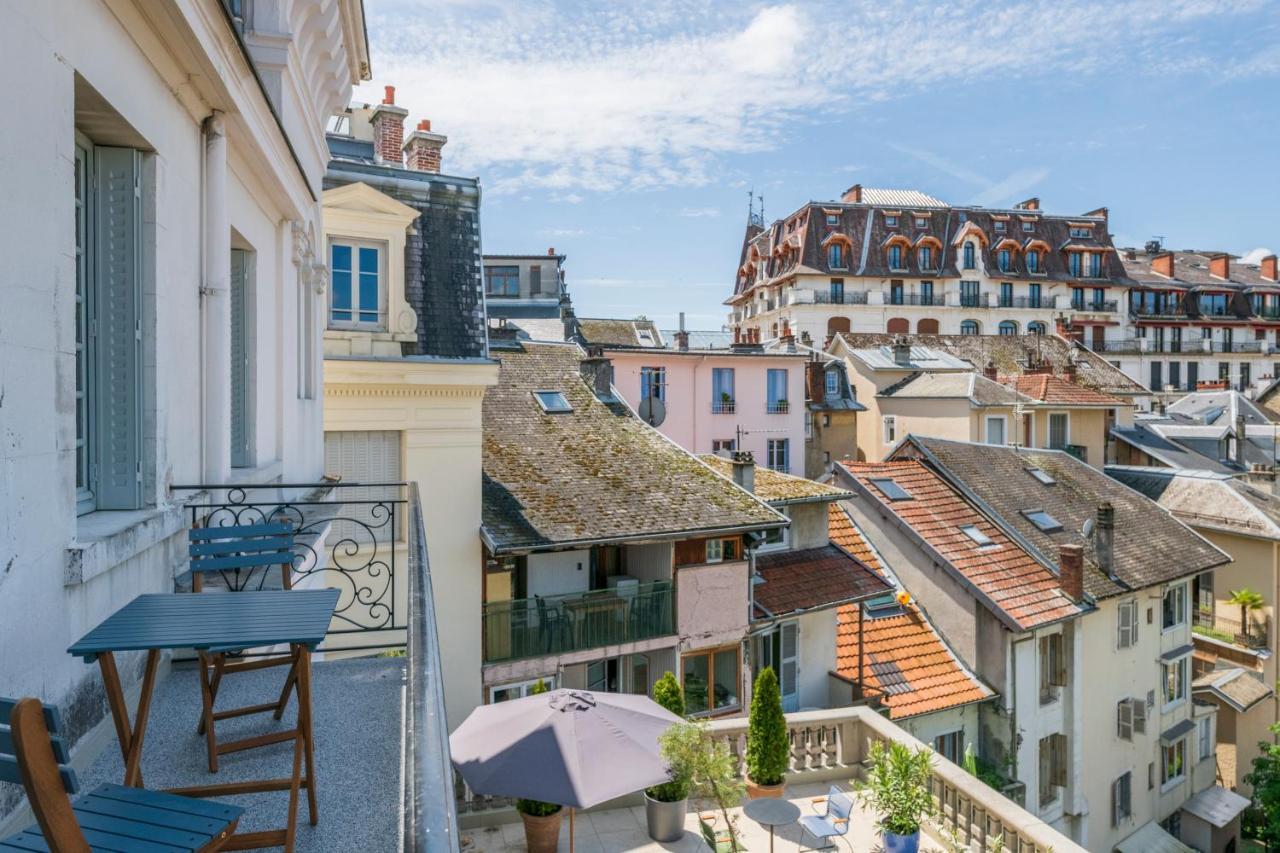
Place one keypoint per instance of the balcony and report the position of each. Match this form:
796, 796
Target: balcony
1105, 306
1254, 634
723, 407
551, 625
852, 297
974, 300
777, 407
1158, 312
1237, 346
828, 747
924, 299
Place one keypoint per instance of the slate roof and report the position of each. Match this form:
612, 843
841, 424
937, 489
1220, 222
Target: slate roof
971, 386
1206, 498
701, 339
1150, 546
1217, 407
879, 356
906, 663
1237, 687
1180, 443
1191, 270
1018, 589
1013, 354
597, 473
1268, 401
617, 333
812, 579
777, 488
1054, 390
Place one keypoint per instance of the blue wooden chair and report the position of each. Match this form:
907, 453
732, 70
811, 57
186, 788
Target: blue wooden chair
831, 822
108, 818
241, 555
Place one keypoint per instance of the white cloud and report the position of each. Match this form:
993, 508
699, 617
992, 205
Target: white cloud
1255, 256
561, 232
604, 97
699, 212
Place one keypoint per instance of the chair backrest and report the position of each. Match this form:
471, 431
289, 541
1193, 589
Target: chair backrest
839, 804
251, 546
33, 755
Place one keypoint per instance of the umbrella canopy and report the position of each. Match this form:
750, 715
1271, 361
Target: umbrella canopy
570, 747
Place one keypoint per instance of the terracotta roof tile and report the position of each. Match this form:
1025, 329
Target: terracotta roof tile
1055, 390
813, 578
1014, 583
777, 488
905, 664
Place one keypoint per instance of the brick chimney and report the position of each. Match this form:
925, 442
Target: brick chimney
1241, 436
990, 371
1071, 570
1069, 371
1029, 204
1220, 265
1101, 212
853, 195
551, 252
597, 372
815, 381
744, 469
1162, 264
388, 129
1268, 268
422, 148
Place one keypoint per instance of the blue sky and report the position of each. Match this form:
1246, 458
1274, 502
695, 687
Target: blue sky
628, 135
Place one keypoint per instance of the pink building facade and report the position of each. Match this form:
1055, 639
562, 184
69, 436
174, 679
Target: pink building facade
720, 400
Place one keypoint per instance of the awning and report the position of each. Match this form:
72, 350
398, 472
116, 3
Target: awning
1152, 839
1177, 731
1179, 652
1216, 805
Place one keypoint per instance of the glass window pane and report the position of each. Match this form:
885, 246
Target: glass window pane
695, 684
368, 260
368, 298
340, 257
341, 290
726, 679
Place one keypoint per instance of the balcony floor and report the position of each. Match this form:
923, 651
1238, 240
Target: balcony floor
619, 830
358, 729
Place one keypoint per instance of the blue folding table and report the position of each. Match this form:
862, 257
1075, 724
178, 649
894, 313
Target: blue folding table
211, 623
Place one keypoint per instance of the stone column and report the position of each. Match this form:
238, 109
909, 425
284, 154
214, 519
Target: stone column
216, 305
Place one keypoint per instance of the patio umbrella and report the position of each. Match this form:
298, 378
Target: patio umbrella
571, 747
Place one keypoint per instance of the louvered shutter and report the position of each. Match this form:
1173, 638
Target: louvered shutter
1124, 719
364, 456
789, 665
1139, 715
1059, 752
239, 359
118, 328
1125, 618
1115, 803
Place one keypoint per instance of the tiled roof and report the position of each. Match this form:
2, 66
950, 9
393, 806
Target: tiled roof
1235, 686
618, 333
1013, 354
813, 578
1151, 547
977, 389
1015, 586
778, 488
596, 473
1191, 269
1206, 498
906, 663
1054, 390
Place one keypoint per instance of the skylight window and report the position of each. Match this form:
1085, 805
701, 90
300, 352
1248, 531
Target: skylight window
552, 402
1042, 475
976, 535
1042, 520
891, 490
882, 606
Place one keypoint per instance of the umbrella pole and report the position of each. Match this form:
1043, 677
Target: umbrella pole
571, 829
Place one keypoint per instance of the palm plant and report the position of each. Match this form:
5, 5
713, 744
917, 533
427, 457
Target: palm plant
1246, 599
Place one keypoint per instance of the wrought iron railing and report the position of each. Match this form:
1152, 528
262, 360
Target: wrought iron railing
925, 299
1079, 451
973, 300
346, 536
532, 627
848, 297
722, 407
777, 407
1253, 635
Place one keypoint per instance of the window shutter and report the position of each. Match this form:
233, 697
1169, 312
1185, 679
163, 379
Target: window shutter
361, 456
118, 345
1124, 719
1115, 803
239, 360
1059, 749
1046, 763
1058, 657
1139, 715
1126, 795
1125, 615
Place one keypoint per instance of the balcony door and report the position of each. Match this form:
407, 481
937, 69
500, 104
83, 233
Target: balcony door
780, 649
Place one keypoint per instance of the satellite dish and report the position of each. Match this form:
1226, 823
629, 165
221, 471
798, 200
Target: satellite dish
653, 411
1086, 529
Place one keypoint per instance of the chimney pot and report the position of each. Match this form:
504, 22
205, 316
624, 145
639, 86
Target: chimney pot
422, 148
424, 124
1071, 570
1162, 264
388, 129
551, 251
744, 470
853, 195
682, 341
901, 351
388, 94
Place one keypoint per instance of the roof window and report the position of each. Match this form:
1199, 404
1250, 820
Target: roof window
1042, 520
891, 490
882, 606
552, 402
1042, 475
976, 535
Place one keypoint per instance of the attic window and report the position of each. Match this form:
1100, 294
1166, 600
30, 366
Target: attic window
882, 606
645, 337
833, 219
1081, 231
999, 225
1042, 520
891, 490
890, 221
1028, 225
922, 222
1042, 475
976, 535
552, 402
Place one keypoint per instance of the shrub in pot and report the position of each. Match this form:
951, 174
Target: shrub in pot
666, 805
768, 748
541, 825
897, 789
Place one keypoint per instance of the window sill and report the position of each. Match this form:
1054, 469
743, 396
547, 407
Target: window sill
107, 538
1166, 787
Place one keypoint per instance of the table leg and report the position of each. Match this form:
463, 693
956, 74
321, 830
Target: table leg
206, 719
305, 726
130, 738
771, 838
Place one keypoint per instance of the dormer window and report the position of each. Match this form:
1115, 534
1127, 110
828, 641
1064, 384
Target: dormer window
833, 219
1033, 261
922, 222
895, 258
926, 257
970, 256
1000, 226
357, 289
1082, 231
1028, 225
835, 256
1006, 260
890, 221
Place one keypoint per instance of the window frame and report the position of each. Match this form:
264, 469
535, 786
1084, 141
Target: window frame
950, 745
1122, 798
647, 376
889, 429
86, 357
1179, 593
489, 275
1066, 431
357, 308
1173, 698
1204, 736
1004, 429
1178, 750
711, 655
772, 448
1127, 638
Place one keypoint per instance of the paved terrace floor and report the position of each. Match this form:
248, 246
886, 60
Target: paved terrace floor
619, 830
358, 729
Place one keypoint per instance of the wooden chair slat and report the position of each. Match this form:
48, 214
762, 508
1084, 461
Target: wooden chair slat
25, 841
136, 829
104, 841
52, 719
202, 534
212, 564
282, 544
60, 750
180, 809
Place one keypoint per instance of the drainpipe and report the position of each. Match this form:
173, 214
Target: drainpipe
216, 305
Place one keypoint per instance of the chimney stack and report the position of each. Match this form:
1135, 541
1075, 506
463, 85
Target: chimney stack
597, 371
1242, 436
551, 252
990, 371
1268, 268
1104, 539
1220, 266
853, 195
681, 336
1162, 264
422, 148
901, 351
1071, 571
815, 381
388, 129
744, 470
1029, 204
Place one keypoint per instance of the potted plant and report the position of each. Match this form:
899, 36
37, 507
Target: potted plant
666, 805
768, 747
726, 401
541, 820
711, 771
897, 788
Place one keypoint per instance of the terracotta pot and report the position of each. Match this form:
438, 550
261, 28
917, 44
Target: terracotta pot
759, 792
542, 834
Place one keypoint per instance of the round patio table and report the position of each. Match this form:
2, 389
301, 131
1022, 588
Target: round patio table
771, 812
